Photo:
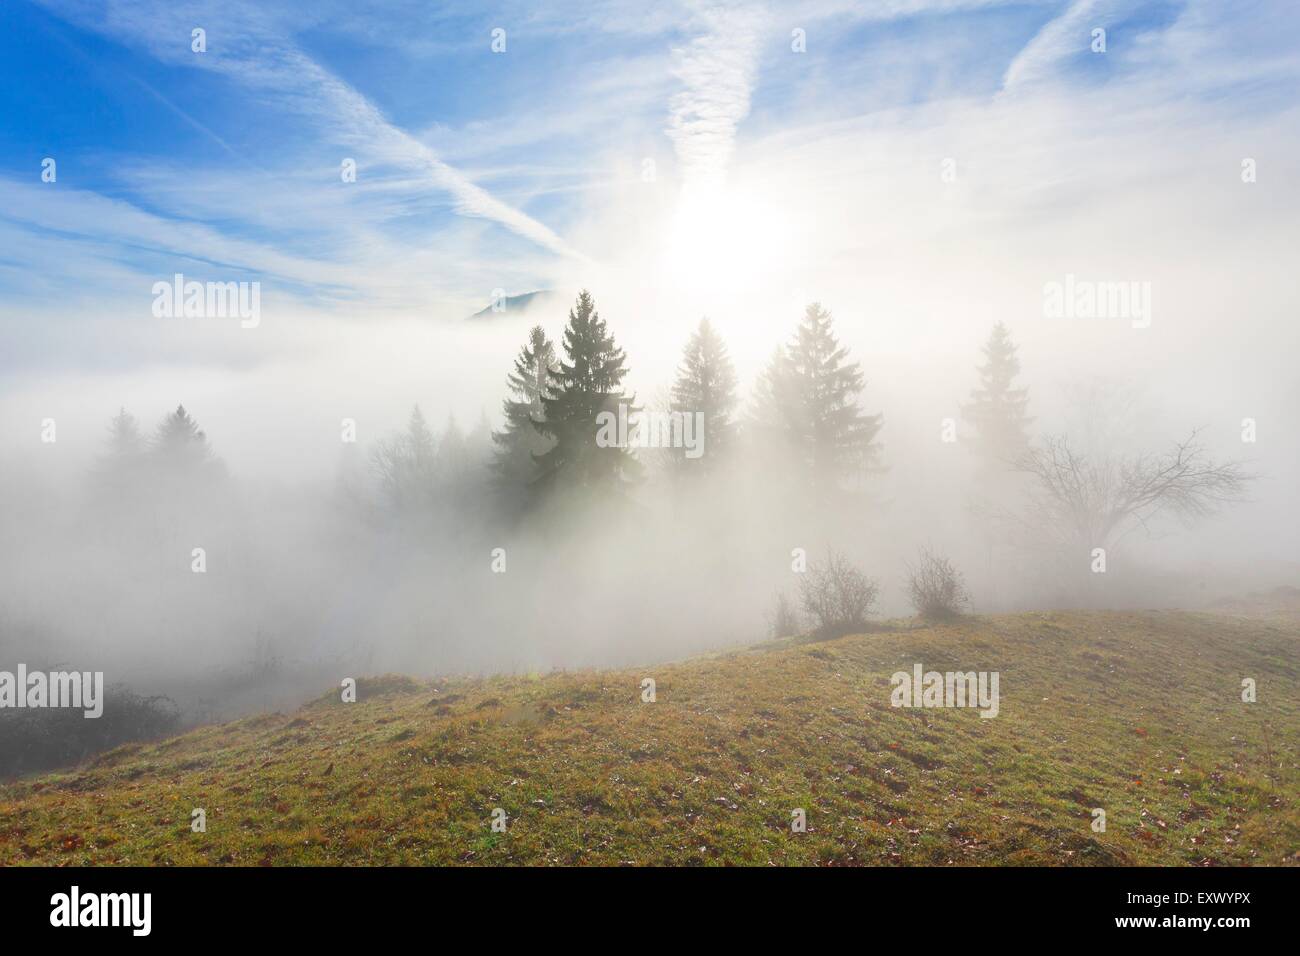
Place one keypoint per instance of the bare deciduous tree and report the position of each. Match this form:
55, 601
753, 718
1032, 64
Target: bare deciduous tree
1078, 500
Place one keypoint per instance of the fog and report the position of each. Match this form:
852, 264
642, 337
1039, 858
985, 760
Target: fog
311, 576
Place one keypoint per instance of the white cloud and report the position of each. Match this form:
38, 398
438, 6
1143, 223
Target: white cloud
1066, 34
717, 69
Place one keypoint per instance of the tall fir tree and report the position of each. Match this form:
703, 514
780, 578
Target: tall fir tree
406, 464
124, 438
180, 444
587, 383
769, 413
706, 385
454, 464
520, 443
809, 394
183, 475
120, 469
420, 443
463, 460
997, 410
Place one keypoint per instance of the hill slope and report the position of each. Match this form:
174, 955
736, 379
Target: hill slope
1139, 714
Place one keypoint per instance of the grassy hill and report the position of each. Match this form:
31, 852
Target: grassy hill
1136, 713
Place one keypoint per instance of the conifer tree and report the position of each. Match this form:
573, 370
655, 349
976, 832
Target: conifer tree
124, 438
453, 453
519, 443
119, 470
809, 395
179, 442
771, 412
181, 473
706, 385
997, 410
406, 463
420, 442
463, 460
587, 383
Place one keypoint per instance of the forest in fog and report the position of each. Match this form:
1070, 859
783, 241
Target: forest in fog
585, 525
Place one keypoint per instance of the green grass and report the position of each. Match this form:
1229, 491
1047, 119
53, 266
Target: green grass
1136, 713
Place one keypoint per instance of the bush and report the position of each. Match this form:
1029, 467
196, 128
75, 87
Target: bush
937, 589
44, 738
837, 596
784, 620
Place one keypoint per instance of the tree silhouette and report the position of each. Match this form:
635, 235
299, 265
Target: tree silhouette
997, 409
520, 443
587, 383
808, 395
180, 443
405, 464
706, 384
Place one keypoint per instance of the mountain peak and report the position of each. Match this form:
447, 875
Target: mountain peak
516, 304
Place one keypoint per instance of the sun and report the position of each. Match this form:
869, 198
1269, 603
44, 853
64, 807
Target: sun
723, 237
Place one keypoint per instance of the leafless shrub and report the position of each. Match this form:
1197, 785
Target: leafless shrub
837, 596
784, 619
937, 589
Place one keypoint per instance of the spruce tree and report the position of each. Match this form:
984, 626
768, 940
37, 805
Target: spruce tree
182, 473
119, 470
420, 442
811, 394
462, 463
405, 464
706, 385
772, 411
420, 463
587, 383
996, 409
453, 453
519, 443
124, 438
179, 442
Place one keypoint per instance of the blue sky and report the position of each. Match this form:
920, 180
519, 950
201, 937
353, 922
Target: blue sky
245, 139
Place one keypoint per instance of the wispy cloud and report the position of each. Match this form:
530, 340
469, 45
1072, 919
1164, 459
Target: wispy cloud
1060, 37
254, 50
358, 122
717, 69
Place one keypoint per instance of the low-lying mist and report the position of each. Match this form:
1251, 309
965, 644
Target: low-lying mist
150, 555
